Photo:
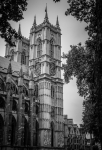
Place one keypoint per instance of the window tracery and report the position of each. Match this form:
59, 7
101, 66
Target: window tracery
39, 48
23, 58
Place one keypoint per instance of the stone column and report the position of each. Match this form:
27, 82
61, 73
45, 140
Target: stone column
32, 110
8, 112
20, 117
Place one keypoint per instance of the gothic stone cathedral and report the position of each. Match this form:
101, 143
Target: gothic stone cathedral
31, 89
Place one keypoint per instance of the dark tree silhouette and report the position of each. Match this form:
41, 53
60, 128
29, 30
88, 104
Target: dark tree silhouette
10, 10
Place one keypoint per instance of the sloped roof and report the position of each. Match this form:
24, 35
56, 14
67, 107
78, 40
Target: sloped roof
16, 66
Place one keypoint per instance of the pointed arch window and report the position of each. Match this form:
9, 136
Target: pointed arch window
2, 103
39, 48
23, 58
12, 54
52, 91
13, 131
52, 134
52, 48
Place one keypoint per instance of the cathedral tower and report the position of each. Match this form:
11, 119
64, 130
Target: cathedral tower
45, 63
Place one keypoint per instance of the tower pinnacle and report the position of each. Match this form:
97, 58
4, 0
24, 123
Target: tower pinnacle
46, 14
57, 22
34, 24
19, 30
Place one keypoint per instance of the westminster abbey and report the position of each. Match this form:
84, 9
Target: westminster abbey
31, 89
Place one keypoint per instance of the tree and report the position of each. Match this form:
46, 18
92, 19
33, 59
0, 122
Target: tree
90, 11
10, 10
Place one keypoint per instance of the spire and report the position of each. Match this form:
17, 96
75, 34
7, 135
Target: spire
19, 30
21, 73
46, 15
57, 22
34, 24
9, 70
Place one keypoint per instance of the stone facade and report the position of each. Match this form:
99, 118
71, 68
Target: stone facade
31, 89
74, 136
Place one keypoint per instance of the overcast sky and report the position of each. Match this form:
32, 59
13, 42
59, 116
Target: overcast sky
72, 33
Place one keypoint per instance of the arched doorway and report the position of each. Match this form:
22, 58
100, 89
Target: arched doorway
13, 131
52, 134
1, 129
26, 133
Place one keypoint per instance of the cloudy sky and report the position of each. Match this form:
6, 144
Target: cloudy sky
72, 33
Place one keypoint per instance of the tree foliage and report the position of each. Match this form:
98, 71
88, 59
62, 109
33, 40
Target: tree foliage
86, 63
10, 10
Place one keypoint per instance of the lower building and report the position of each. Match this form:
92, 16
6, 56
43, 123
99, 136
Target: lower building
74, 136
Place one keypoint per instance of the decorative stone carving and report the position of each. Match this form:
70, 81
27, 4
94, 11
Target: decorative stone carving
52, 69
60, 140
47, 138
37, 71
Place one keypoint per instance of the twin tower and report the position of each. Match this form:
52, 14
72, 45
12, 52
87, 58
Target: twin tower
41, 56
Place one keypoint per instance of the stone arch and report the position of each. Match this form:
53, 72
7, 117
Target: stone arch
52, 134
26, 108
25, 90
13, 130
14, 87
26, 133
14, 105
2, 103
1, 129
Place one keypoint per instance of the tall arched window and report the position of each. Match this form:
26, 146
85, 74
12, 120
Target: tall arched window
52, 134
52, 91
52, 48
2, 103
13, 131
23, 58
12, 54
1, 130
26, 133
39, 48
